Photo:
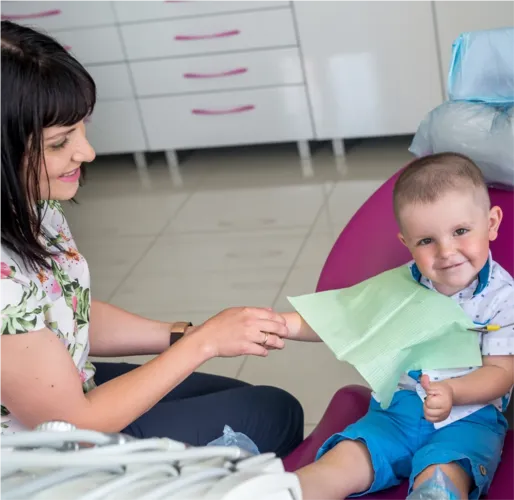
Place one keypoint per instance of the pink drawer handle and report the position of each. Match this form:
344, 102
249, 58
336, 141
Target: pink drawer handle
21, 17
233, 72
191, 38
210, 112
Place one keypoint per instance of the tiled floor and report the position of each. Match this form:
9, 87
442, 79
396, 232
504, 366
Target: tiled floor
243, 227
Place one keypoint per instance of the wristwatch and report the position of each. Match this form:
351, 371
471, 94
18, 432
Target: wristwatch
178, 330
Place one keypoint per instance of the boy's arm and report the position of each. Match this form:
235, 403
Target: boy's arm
299, 329
493, 380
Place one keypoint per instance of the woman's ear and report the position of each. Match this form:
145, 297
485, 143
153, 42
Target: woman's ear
495, 219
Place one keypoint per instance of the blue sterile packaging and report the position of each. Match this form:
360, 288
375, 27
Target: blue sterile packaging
481, 131
482, 67
231, 438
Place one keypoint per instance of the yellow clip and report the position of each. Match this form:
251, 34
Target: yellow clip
489, 328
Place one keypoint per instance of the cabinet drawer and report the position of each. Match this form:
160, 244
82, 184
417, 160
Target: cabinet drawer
226, 118
127, 12
94, 45
112, 81
203, 35
218, 72
52, 16
115, 127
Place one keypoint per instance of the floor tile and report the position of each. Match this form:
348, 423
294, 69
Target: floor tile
250, 209
198, 252
273, 165
307, 429
146, 214
346, 199
315, 251
209, 290
300, 281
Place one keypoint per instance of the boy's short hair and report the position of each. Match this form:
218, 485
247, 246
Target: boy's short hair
426, 179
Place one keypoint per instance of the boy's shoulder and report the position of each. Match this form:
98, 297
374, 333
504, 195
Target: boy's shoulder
500, 274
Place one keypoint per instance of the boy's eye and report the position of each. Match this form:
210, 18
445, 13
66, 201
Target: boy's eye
424, 241
461, 231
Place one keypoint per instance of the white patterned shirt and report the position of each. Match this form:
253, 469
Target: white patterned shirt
57, 298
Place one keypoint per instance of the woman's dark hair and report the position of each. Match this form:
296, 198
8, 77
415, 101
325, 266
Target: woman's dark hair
42, 86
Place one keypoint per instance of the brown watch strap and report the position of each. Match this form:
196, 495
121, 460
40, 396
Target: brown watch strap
178, 330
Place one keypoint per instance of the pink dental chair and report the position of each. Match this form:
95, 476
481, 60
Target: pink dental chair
368, 246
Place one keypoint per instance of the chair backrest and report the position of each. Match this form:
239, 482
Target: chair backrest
369, 245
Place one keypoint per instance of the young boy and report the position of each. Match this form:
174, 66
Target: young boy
446, 418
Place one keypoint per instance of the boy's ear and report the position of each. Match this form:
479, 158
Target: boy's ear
495, 218
401, 238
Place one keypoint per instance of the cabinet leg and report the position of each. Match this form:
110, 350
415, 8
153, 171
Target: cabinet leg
171, 158
338, 147
304, 150
140, 160
142, 169
172, 161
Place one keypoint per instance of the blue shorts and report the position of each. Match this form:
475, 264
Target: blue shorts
402, 443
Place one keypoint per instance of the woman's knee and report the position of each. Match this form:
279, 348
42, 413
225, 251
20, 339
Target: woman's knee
284, 415
280, 401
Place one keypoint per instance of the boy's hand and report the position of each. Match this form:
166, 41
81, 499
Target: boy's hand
439, 400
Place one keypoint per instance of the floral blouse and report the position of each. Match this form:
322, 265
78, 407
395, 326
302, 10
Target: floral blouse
57, 298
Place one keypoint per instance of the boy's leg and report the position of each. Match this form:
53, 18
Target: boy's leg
344, 470
468, 452
373, 454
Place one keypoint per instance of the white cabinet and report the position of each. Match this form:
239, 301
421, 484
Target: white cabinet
371, 67
454, 18
196, 74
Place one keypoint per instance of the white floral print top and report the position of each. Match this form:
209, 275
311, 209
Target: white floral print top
57, 298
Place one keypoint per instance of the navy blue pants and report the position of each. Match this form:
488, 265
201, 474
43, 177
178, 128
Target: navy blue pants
196, 411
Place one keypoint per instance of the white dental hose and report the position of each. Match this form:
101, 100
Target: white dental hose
60, 462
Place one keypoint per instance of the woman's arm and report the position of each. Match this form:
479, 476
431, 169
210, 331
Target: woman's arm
40, 381
115, 332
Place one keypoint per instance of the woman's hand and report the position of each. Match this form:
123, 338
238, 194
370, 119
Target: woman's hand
241, 331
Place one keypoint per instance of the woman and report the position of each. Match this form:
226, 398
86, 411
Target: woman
50, 324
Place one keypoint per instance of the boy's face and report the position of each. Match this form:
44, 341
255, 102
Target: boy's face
449, 239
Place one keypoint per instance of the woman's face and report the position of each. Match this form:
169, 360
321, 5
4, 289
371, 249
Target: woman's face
64, 150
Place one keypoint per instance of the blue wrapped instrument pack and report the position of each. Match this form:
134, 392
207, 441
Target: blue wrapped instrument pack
482, 67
